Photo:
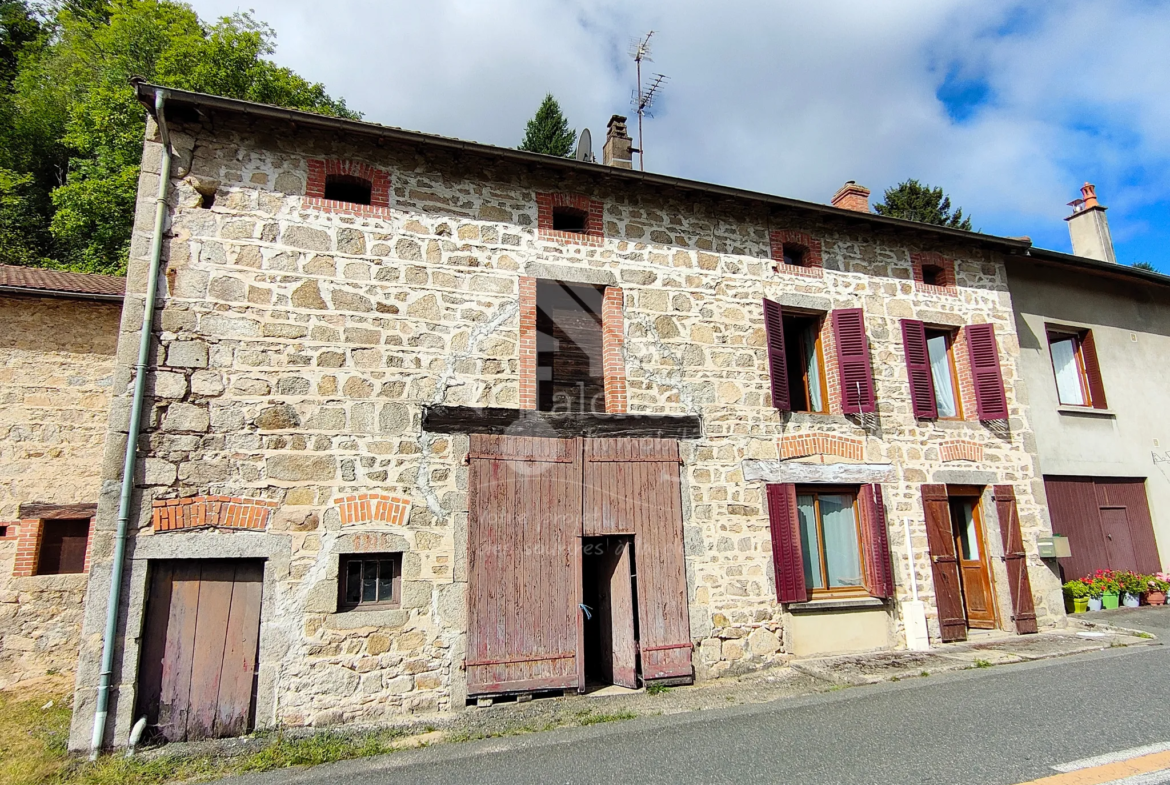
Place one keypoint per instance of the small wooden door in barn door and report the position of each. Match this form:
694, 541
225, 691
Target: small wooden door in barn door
632, 487
197, 673
524, 564
615, 612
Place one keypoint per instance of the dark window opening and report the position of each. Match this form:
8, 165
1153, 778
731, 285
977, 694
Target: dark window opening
347, 188
934, 275
570, 372
3, 532
795, 255
806, 364
370, 580
570, 219
63, 545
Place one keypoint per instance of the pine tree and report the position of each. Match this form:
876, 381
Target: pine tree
1145, 266
548, 131
914, 201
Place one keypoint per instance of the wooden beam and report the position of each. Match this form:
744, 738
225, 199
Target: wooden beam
796, 471
39, 511
526, 422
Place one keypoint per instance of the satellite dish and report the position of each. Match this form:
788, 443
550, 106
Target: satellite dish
585, 147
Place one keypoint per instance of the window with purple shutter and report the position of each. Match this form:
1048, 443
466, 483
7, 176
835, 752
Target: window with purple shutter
918, 369
990, 398
879, 572
777, 359
787, 557
857, 393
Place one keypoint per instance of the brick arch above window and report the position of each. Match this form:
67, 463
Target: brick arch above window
366, 508
591, 210
222, 512
924, 263
321, 169
808, 247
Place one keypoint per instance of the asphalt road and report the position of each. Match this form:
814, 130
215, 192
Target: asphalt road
995, 726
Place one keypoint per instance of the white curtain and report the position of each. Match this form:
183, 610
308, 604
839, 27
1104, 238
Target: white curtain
1068, 376
842, 555
810, 544
814, 370
940, 372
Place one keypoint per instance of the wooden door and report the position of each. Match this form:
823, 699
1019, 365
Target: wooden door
948, 595
1118, 542
974, 566
1131, 494
616, 616
524, 564
1015, 560
632, 486
200, 644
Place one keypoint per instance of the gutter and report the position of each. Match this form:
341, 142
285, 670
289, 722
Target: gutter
119, 563
24, 290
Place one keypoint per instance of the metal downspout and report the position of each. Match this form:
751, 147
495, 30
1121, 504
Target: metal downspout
108, 641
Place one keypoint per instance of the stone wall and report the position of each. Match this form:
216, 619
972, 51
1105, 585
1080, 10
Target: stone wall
298, 345
56, 363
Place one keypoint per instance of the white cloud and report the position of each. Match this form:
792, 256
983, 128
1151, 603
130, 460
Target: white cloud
785, 97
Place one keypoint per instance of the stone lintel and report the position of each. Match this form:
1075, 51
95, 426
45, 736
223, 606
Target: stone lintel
965, 477
791, 471
556, 272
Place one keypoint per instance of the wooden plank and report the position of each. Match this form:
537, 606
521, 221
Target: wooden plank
237, 685
175, 690
215, 599
48, 512
154, 640
623, 661
555, 425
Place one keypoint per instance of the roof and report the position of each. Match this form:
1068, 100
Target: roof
54, 283
1009, 245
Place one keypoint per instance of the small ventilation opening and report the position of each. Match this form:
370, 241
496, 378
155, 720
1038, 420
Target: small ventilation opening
347, 188
795, 255
933, 274
207, 200
569, 219
3, 532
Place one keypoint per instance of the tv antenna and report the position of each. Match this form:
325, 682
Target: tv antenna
644, 98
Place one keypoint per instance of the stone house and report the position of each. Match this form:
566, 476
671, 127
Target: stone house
58, 335
430, 421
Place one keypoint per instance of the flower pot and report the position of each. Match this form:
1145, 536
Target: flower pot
1156, 597
1110, 600
1081, 604
1094, 603
1131, 600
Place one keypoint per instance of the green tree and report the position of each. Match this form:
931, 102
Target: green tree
914, 201
1145, 266
548, 131
70, 151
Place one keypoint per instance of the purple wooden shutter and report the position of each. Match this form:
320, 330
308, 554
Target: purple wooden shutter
777, 359
853, 361
1093, 371
990, 398
786, 553
918, 369
879, 572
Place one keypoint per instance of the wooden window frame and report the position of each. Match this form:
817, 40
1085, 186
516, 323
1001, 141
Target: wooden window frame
345, 559
842, 592
1057, 334
817, 326
951, 334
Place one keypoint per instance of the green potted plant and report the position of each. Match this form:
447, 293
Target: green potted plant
1076, 596
1133, 586
1106, 582
1156, 588
1093, 587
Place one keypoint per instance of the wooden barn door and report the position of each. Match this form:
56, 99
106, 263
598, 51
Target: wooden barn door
632, 487
200, 643
524, 564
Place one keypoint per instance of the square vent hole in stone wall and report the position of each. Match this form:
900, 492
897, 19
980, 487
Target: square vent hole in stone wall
570, 219
348, 188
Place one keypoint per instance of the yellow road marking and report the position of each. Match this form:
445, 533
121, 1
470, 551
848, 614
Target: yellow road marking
1121, 769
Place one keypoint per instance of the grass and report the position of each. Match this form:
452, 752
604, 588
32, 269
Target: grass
982, 663
589, 718
657, 689
1143, 635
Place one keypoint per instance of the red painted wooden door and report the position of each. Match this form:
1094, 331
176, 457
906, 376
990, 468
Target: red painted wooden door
200, 643
524, 564
616, 611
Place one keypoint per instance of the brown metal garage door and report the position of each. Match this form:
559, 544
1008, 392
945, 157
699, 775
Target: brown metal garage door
1107, 522
200, 642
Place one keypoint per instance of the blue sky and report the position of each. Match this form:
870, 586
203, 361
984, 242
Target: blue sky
1009, 106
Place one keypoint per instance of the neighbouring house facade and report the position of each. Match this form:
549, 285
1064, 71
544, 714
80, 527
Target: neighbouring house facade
58, 336
431, 421
1094, 342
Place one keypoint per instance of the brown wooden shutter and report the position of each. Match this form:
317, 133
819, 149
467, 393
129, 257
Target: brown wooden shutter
1093, 371
918, 369
786, 553
879, 573
990, 398
853, 361
777, 357
948, 597
1023, 608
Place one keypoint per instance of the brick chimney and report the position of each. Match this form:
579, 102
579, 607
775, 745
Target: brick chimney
1088, 227
618, 150
852, 196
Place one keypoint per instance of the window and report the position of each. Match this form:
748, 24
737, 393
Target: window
570, 370
370, 580
1077, 370
806, 363
830, 541
934, 275
347, 188
943, 375
795, 255
63, 544
569, 219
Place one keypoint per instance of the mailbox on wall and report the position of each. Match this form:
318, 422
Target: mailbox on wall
1054, 547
